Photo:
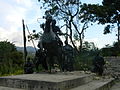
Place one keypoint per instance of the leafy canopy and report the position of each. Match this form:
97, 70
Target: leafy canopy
107, 13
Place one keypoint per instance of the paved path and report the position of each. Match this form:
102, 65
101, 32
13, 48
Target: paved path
116, 86
50, 77
8, 88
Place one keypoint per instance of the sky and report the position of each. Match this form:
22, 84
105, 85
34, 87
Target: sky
13, 11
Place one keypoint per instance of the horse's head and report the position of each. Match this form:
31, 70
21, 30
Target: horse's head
47, 26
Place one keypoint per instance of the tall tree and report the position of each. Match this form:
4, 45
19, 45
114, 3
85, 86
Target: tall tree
10, 58
68, 12
107, 14
89, 46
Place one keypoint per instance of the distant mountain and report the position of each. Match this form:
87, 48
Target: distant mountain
29, 49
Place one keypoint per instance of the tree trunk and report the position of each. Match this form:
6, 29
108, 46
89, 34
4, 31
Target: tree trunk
73, 43
118, 31
80, 48
24, 39
71, 38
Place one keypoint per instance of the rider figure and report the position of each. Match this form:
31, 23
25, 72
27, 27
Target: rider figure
51, 32
55, 28
57, 32
68, 58
46, 26
98, 63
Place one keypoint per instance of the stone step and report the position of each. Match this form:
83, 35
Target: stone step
8, 88
46, 81
103, 84
116, 86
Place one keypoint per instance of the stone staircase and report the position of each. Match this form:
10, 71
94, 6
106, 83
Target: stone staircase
113, 66
76, 80
103, 84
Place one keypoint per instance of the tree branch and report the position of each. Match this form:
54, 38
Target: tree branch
60, 8
76, 12
76, 28
83, 28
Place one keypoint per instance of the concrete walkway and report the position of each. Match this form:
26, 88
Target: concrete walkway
8, 88
102, 84
116, 86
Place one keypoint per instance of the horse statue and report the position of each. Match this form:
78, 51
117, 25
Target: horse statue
51, 44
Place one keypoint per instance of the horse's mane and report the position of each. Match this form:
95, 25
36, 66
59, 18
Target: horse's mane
47, 27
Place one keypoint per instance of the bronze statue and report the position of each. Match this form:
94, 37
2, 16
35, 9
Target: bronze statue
98, 63
51, 43
68, 57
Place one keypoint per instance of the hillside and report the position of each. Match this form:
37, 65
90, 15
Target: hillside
30, 49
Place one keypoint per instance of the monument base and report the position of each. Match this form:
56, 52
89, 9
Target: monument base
45, 81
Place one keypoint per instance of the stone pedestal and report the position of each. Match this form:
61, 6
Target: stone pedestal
76, 80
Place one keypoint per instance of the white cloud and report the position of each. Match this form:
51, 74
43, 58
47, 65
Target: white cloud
15, 17
25, 3
97, 41
11, 19
102, 40
12, 36
92, 1
3, 34
13, 11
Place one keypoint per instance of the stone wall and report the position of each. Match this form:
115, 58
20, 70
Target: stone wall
112, 66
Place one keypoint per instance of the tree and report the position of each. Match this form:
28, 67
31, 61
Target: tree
88, 46
68, 12
111, 50
107, 13
5, 49
84, 59
10, 58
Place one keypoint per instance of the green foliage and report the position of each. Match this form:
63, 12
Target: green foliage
84, 60
107, 29
113, 50
6, 47
34, 35
76, 36
10, 59
68, 12
108, 13
88, 46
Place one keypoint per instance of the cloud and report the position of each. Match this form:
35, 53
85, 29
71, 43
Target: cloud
92, 1
24, 3
12, 36
15, 17
102, 40
12, 13
3, 34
